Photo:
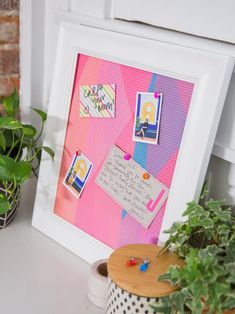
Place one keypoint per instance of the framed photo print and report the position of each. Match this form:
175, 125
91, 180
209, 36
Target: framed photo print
132, 130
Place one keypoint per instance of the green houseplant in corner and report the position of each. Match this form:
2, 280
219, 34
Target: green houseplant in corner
20, 154
206, 242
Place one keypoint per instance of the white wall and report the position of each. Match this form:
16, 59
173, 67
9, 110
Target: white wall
45, 17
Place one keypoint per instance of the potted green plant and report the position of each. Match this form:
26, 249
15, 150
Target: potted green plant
206, 242
20, 154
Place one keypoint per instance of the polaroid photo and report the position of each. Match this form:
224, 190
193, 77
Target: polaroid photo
147, 117
77, 175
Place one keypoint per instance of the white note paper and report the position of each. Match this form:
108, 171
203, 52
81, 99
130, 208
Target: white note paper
123, 181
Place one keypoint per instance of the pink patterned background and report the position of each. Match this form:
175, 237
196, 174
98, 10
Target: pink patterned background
95, 212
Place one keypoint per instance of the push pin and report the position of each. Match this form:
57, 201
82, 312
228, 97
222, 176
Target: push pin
156, 95
144, 267
127, 156
131, 262
76, 152
146, 176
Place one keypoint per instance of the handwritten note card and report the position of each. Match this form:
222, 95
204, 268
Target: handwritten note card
124, 181
97, 101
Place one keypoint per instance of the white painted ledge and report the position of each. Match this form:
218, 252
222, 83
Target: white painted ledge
211, 18
224, 152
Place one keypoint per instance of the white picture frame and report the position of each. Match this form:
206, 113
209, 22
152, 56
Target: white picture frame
209, 72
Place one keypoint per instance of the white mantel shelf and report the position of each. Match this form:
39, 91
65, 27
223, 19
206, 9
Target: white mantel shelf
37, 275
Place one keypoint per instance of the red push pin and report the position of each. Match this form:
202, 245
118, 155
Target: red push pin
76, 152
131, 262
156, 95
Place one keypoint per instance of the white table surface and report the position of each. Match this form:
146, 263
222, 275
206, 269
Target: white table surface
37, 275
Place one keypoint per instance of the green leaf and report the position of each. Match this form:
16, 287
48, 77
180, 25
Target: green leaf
193, 208
39, 156
230, 252
174, 228
2, 141
49, 151
7, 165
229, 302
204, 191
29, 130
9, 123
179, 298
11, 170
9, 137
163, 305
163, 308
4, 204
173, 275
22, 171
11, 104
41, 113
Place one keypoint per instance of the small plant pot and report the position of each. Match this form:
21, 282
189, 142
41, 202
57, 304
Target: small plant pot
14, 201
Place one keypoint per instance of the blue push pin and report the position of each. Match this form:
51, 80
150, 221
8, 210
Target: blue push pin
144, 267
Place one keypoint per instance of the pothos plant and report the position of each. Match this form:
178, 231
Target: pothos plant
206, 242
20, 151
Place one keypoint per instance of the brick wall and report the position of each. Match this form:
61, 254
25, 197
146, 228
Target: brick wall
9, 46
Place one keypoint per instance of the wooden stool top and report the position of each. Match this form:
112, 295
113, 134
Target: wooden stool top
131, 279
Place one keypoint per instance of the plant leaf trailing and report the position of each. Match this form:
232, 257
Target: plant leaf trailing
20, 153
206, 241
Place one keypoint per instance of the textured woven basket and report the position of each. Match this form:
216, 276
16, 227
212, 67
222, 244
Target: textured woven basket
14, 201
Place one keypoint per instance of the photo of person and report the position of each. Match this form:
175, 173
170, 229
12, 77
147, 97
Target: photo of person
143, 129
77, 175
147, 117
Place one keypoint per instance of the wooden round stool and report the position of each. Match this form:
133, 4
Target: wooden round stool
130, 290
